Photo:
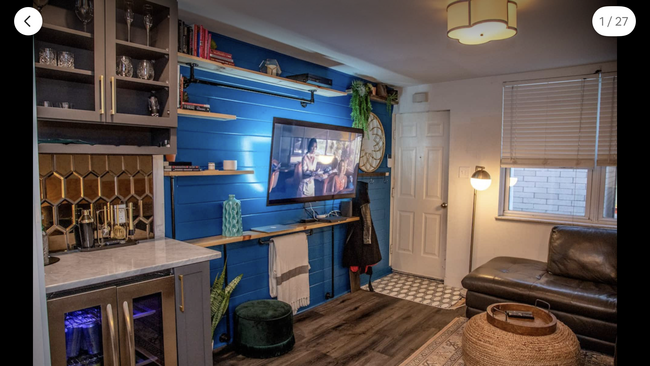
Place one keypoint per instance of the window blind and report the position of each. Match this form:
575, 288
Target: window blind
607, 134
559, 123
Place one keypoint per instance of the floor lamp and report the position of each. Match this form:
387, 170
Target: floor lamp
480, 180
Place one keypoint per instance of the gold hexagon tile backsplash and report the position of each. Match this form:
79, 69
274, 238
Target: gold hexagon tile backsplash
70, 183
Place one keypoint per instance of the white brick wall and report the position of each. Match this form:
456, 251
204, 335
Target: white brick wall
553, 191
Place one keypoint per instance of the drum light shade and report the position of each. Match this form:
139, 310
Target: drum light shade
474, 22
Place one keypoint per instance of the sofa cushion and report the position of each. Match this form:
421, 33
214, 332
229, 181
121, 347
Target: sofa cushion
586, 298
583, 253
525, 280
506, 277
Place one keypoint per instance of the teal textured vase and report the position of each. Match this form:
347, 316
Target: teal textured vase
232, 224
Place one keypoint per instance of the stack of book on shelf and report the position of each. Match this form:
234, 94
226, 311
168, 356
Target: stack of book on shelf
223, 57
195, 107
187, 105
180, 166
195, 40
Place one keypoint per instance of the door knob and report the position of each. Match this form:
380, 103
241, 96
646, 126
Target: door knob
444, 205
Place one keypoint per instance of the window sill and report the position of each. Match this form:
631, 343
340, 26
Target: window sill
556, 222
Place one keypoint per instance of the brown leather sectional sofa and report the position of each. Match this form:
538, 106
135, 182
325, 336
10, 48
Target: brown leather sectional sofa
579, 280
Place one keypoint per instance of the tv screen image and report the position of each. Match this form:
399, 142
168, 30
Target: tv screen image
312, 162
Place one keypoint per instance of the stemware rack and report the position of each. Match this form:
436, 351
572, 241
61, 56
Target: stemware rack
99, 95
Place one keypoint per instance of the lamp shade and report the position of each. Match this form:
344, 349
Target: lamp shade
475, 22
481, 179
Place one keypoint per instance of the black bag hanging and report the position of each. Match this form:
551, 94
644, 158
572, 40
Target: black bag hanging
361, 247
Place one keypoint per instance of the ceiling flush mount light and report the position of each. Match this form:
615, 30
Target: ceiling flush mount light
480, 21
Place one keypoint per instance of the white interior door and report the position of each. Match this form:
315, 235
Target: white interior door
420, 193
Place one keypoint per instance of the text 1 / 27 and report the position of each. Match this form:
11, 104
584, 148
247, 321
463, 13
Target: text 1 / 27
618, 21
613, 21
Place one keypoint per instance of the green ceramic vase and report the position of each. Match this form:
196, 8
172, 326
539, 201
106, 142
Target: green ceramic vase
232, 224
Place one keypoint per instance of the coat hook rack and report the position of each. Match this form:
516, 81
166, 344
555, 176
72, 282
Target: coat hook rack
264, 242
194, 80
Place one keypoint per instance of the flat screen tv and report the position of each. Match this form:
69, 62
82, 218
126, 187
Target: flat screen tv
312, 162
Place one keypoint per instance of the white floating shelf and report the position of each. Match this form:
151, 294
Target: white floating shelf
238, 72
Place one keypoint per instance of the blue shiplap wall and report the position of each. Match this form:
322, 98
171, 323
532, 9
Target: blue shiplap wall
198, 200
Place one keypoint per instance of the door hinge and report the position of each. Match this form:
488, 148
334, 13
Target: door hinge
392, 192
391, 248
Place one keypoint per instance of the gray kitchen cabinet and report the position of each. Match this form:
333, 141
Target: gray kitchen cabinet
92, 107
129, 95
193, 324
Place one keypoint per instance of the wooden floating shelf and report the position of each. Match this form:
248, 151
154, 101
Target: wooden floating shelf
66, 36
62, 73
206, 115
375, 98
252, 235
374, 174
238, 72
203, 173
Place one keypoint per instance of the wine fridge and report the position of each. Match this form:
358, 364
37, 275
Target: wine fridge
127, 323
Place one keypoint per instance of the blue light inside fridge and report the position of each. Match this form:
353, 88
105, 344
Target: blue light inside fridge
83, 337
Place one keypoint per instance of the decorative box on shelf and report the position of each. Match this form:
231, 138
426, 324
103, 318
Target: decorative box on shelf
312, 79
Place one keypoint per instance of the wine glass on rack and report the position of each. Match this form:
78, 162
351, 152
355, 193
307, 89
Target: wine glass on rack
84, 10
148, 19
129, 16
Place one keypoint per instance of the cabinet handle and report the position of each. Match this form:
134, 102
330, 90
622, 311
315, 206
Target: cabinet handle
101, 93
112, 95
180, 277
111, 325
129, 332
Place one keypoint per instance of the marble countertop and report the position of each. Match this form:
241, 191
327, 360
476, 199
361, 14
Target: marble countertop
88, 268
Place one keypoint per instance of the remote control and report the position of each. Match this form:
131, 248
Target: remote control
520, 314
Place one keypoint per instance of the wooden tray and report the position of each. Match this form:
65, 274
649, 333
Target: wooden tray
544, 323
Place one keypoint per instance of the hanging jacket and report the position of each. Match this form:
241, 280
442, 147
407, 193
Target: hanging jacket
361, 250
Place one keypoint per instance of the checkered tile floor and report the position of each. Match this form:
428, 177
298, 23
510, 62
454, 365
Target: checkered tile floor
419, 289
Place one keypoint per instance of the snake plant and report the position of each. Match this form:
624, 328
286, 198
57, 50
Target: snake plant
220, 297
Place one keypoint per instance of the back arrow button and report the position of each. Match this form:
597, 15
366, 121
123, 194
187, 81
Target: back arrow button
28, 21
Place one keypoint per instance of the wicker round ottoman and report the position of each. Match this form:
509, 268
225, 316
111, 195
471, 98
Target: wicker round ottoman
487, 345
263, 329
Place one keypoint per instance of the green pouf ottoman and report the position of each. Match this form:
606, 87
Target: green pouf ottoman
263, 329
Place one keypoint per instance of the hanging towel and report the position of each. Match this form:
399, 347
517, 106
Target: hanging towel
289, 270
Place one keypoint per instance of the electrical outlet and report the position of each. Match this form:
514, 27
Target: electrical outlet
463, 172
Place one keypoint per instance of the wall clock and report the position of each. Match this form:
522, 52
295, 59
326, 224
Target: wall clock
373, 145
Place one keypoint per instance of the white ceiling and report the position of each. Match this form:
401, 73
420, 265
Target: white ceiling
404, 42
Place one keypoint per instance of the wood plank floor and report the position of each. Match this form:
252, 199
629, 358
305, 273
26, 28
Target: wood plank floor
361, 328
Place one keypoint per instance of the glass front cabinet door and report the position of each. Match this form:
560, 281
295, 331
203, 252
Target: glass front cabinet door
83, 329
69, 61
141, 56
129, 325
148, 322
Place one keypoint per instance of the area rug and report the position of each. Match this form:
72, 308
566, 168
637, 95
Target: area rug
445, 349
419, 289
